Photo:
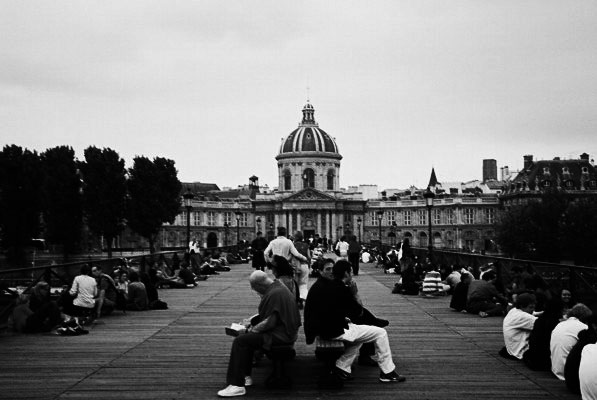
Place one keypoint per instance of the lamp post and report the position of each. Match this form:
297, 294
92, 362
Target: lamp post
238, 215
258, 220
379, 218
359, 220
347, 228
271, 235
226, 230
188, 197
393, 228
429, 195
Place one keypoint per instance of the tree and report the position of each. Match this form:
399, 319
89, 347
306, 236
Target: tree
62, 208
104, 193
532, 230
21, 179
578, 230
154, 196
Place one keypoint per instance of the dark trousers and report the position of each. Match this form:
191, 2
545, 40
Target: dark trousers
353, 258
241, 357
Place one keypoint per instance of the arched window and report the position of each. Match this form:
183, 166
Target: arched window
287, 180
331, 179
308, 178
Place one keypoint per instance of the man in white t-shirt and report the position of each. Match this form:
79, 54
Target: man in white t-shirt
587, 372
84, 288
564, 337
518, 325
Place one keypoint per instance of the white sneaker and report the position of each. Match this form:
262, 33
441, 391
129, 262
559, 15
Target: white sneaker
232, 391
248, 381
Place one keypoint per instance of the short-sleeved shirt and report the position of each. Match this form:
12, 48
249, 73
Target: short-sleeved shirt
85, 288
563, 338
517, 326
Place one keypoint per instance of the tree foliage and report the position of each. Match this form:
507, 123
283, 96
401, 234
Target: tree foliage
104, 193
550, 228
62, 208
21, 179
154, 196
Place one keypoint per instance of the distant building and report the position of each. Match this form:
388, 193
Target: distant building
575, 178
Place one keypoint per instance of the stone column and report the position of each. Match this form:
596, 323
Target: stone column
276, 222
334, 234
290, 227
298, 221
318, 216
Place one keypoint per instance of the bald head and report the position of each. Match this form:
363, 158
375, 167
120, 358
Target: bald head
260, 281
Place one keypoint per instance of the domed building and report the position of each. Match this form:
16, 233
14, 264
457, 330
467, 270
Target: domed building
309, 198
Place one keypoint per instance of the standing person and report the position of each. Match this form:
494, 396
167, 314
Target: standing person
301, 269
324, 242
258, 245
279, 320
342, 248
354, 253
282, 246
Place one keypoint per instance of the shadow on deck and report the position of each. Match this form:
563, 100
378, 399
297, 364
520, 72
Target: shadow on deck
182, 353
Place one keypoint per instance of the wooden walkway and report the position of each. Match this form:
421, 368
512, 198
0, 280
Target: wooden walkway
182, 353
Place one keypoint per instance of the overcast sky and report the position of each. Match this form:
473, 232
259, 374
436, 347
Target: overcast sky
403, 86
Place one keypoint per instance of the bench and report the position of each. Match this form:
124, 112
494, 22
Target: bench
329, 351
279, 354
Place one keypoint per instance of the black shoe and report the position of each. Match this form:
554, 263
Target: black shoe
343, 375
367, 361
391, 377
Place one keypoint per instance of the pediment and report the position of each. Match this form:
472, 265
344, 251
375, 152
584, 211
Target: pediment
309, 195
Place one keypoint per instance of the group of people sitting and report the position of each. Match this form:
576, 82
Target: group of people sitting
333, 310
563, 342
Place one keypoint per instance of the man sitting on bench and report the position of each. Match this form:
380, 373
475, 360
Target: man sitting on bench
280, 320
329, 309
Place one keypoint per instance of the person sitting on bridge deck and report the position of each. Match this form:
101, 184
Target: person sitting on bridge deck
83, 291
137, 294
517, 326
458, 301
537, 357
280, 320
565, 336
108, 294
483, 297
329, 311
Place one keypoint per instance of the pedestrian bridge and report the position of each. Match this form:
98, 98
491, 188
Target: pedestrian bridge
182, 353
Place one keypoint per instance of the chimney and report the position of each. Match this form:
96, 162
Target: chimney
505, 172
528, 160
584, 157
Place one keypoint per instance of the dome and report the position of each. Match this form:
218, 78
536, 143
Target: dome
308, 137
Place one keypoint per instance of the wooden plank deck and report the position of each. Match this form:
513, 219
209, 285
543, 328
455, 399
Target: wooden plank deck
182, 353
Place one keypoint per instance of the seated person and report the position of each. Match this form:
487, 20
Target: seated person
280, 320
432, 284
565, 336
587, 372
84, 290
537, 357
137, 294
483, 297
329, 311
588, 336
107, 292
458, 301
517, 327
453, 278
36, 313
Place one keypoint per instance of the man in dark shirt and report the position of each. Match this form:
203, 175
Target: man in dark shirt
329, 310
279, 322
258, 245
483, 297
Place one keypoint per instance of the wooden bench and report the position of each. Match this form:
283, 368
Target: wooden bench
329, 351
279, 354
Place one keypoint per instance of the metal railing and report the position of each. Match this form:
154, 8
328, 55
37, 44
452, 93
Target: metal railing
580, 280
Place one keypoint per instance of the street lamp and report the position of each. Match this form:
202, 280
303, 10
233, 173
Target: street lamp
188, 197
238, 215
429, 195
258, 220
379, 218
271, 234
359, 220
226, 230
